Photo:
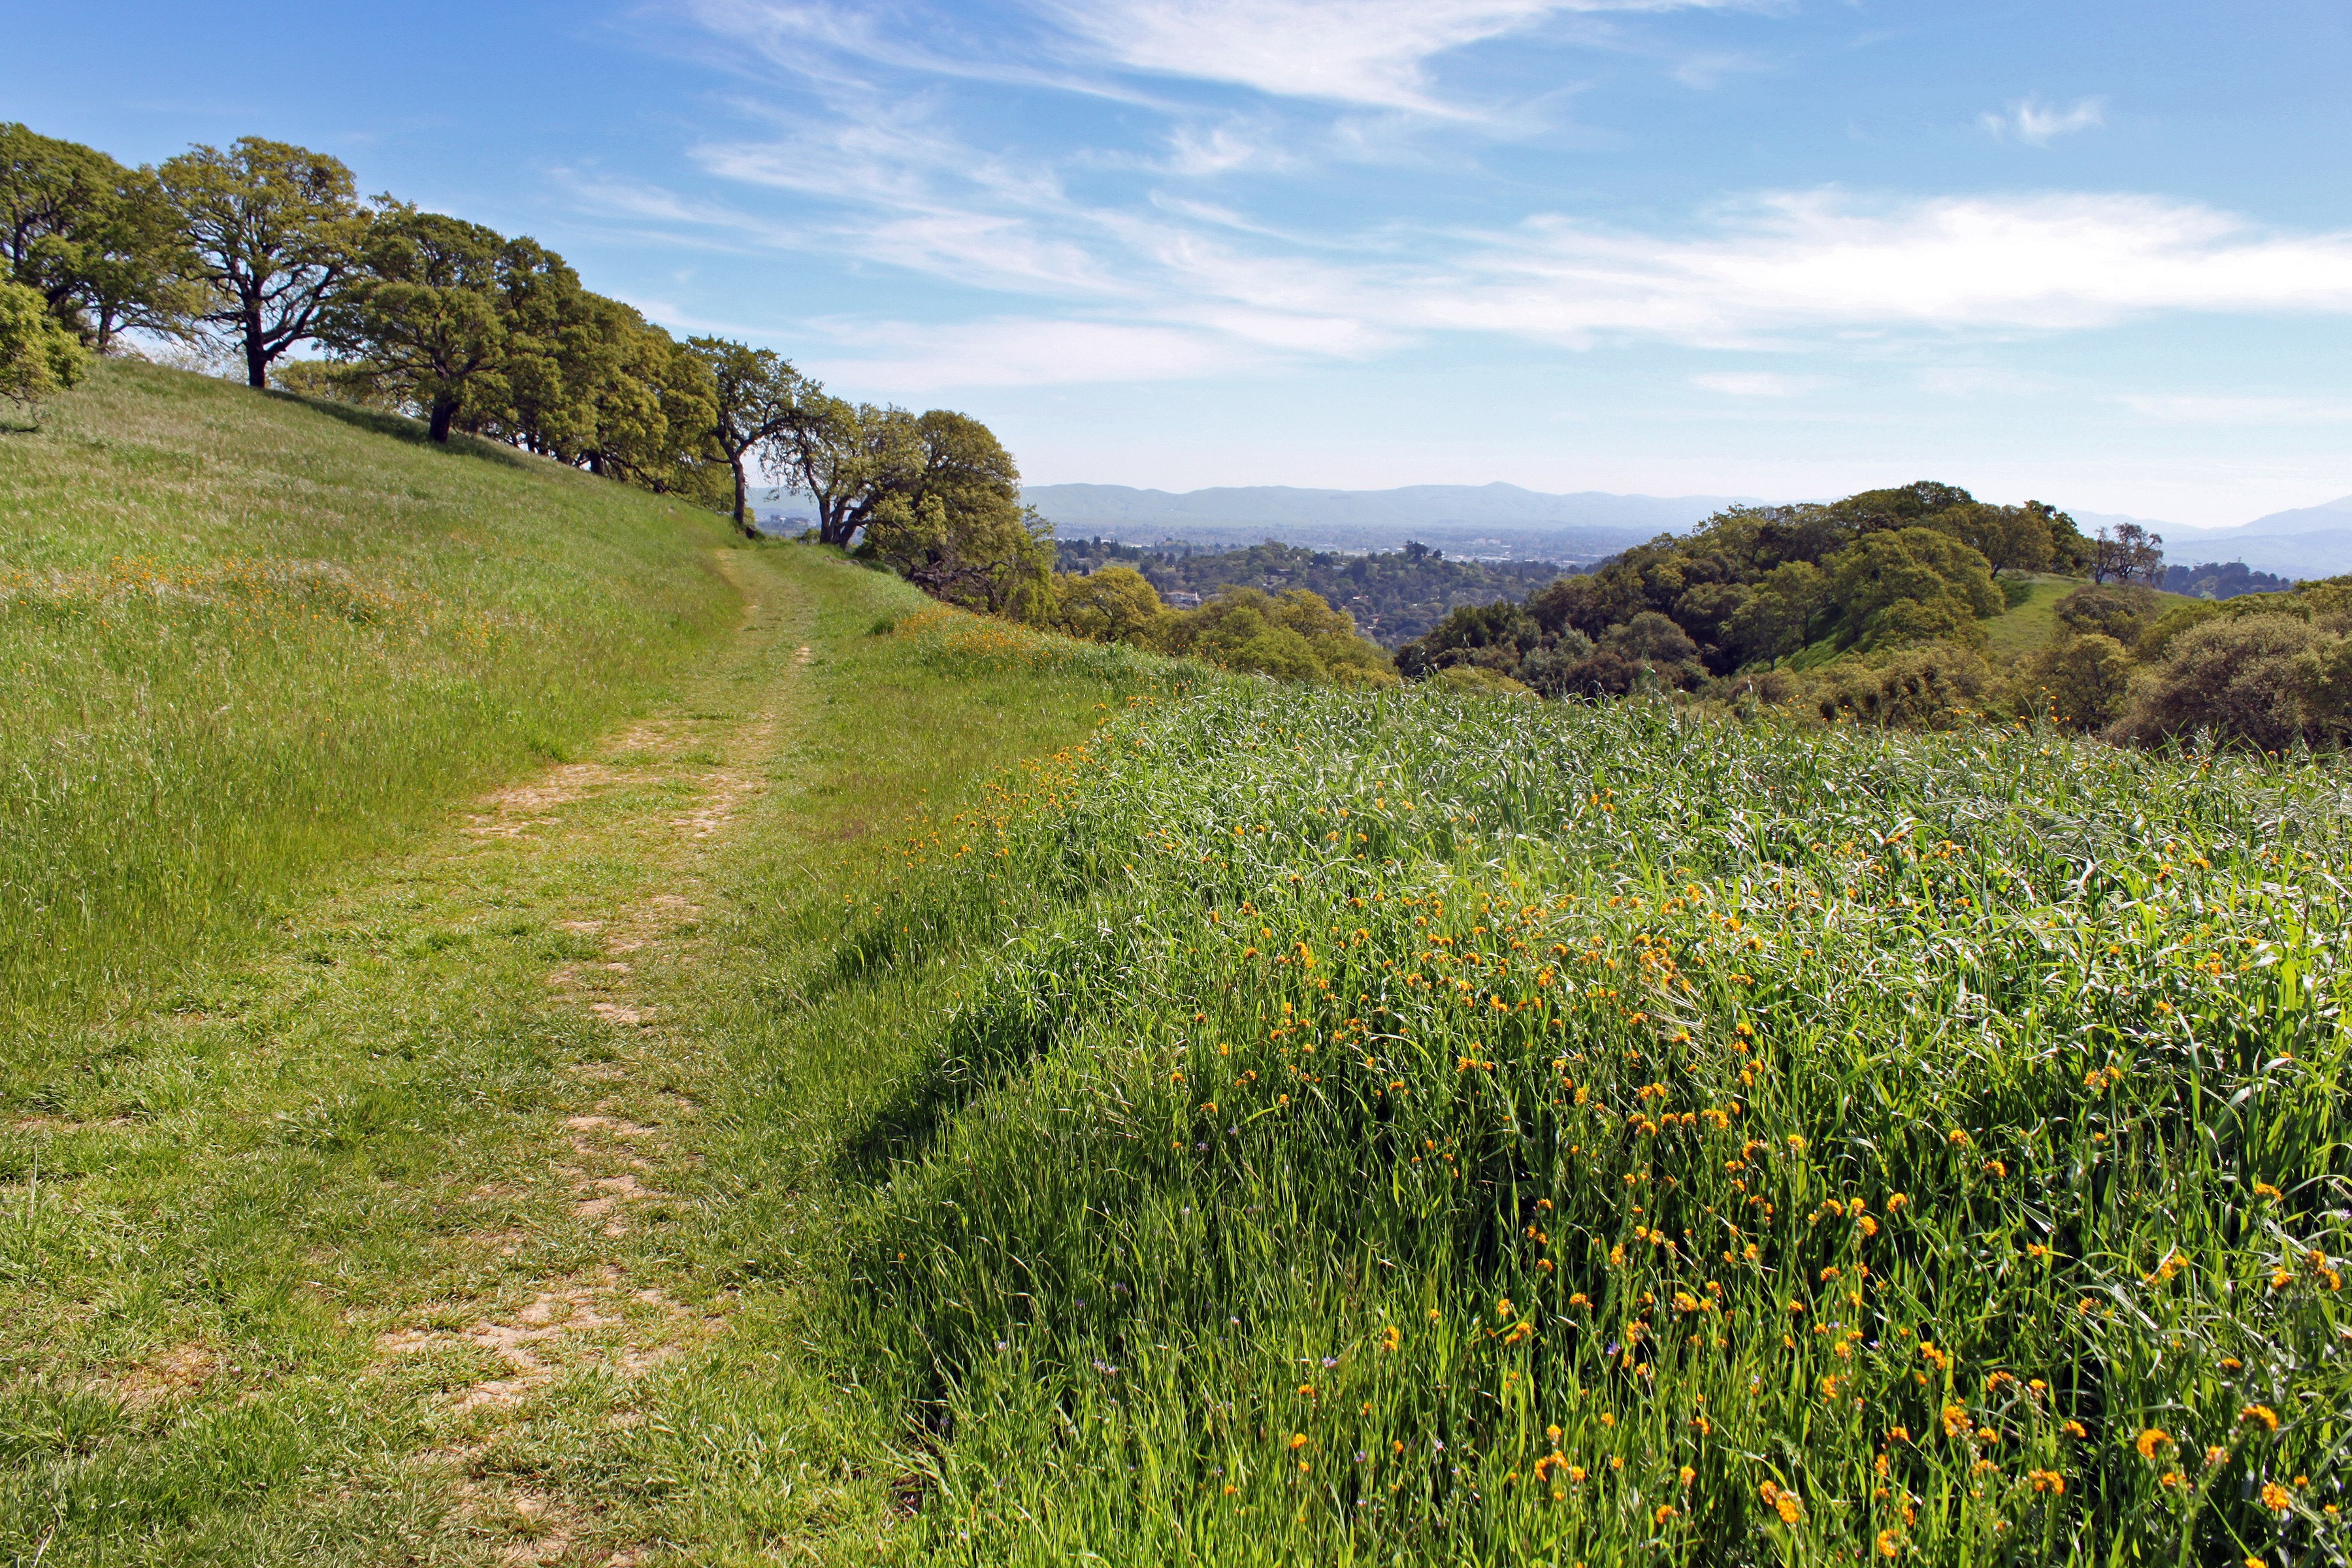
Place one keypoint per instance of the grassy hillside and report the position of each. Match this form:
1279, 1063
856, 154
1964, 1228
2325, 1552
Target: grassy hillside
413, 1242
2031, 624
924, 1090
242, 636
2028, 626
1406, 1129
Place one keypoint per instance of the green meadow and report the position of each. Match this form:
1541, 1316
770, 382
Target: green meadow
539, 1033
245, 637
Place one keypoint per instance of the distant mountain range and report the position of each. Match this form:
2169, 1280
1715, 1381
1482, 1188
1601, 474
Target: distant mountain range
2306, 541
1501, 521
1494, 521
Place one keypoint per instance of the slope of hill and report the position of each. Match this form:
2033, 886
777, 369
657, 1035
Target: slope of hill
1496, 520
1416, 1130
916, 1087
244, 636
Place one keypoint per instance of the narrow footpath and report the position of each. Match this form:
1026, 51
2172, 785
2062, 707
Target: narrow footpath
425, 1234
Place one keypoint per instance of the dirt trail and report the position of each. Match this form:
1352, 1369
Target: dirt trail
616, 845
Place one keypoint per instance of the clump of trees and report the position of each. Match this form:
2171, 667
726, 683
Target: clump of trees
2266, 670
1755, 586
1295, 634
1394, 595
1872, 609
264, 247
2221, 580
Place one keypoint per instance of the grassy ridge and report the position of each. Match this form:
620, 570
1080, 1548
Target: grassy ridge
1394, 1129
242, 636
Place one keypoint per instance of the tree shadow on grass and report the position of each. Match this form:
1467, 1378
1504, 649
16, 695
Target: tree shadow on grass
401, 427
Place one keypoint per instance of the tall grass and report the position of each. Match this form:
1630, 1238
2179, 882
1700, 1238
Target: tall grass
242, 637
1404, 1129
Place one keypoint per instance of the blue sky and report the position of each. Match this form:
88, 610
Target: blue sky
2095, 253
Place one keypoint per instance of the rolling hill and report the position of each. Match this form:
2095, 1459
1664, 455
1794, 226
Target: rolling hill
249, 635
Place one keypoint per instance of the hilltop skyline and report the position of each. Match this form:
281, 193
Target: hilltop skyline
1631, 245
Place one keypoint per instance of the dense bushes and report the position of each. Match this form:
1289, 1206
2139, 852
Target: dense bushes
2269, 680
1394, 594
1293, 635
37, 357
1880, 570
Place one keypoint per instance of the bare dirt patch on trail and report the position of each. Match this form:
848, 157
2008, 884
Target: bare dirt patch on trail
623, 840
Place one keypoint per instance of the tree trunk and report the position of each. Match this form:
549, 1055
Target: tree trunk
749, 530
444, 410
257, 357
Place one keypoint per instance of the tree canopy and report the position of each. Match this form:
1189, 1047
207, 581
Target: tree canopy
422, 314
1753, 586
38, 356
951, 523
102, 245
755, 395
271, 229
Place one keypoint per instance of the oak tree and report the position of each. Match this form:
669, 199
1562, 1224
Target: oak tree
99, 243
419, 313
272, 229
755, 395
849, 459
953, 524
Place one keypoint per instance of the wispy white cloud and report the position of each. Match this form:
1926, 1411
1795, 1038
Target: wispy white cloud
1372, 52
1807, 262
1024, 352
1973, 381
1705, 72
1228, 148
1757, 383
1137, 263
2210, 408
2029, 121
1780, 270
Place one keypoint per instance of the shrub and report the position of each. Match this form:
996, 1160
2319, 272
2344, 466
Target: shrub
2254, 679
2116, 610
37, 357
2156, 637
2082, 682
1546, 669
1931, 688
1294, 636
1495, 635
1111, 603
1653, 639
1472, 678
